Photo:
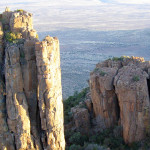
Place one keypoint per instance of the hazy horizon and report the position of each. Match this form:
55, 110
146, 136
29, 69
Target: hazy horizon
85, 14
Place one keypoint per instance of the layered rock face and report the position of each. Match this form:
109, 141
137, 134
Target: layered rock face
31, 109
120, 96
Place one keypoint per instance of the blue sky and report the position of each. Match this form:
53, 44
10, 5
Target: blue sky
85, 14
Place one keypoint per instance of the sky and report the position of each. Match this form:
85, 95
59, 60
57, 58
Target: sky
85, 14
128, 1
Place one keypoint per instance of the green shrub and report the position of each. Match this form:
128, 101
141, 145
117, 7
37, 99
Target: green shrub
134, 146
75, 147
105, 139
136, 78
96, 69
94, 147
20, 10
102, 73
13, 37
117, 58
78, 139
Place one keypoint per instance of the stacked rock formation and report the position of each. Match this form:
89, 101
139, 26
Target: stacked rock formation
31, 109
120, 95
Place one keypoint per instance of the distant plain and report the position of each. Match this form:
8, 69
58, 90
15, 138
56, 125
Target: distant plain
81, 49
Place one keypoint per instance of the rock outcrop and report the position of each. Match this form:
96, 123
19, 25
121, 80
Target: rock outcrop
31, 109
120, 91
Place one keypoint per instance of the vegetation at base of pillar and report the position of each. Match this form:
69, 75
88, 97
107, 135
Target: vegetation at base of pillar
108, 138
73, 101
105, 139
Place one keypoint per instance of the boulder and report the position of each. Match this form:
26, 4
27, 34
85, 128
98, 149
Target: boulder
81, 118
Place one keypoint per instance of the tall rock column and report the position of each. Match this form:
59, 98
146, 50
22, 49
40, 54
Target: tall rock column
16, 102
50, 93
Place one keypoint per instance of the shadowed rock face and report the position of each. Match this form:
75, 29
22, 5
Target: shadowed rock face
31, 109
16, 101
6, 140
103, 97
120, 94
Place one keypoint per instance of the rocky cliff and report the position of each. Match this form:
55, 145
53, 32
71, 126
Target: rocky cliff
118, 99
31, 109
120, 94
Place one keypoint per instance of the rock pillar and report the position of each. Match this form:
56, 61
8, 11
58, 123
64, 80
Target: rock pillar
50, 93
